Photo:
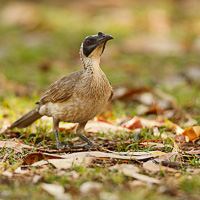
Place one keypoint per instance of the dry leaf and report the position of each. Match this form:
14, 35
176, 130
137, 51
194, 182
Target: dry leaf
34, 157
189, 120
98, 127
193, 152
90, 187
133, 123
193, 73
128, 170
19, 170
132, 171
109, 195
66, 163
146, 98
136, 183
178, 129
152, 122
171, 157
7, 173
138, 153
37, 178
144, 178
179, 138
15, 144
153, 144
175, 148
74, 174
166, 97
176, 165
98, 154
103, 127
126, 167
155, 168
56, 190
157, 133
192, 133
138, 122
156, 153
155, 109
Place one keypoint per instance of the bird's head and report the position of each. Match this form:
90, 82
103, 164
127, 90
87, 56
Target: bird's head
94, 45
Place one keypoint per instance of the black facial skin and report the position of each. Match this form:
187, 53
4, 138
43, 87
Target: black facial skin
91, 42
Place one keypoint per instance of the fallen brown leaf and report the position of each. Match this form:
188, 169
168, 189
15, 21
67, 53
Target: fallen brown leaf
138, 122
171, 157
37, 178
103, 127
175, 148
117, 155
178, 129
133, 123
15, 144
99, 127
57, 191
136, 183
7, 173
132, 171
66, 163
155, 168
34, 157
91, 187
193, 152
155, 109
19, 170
143, 178
192, 133
171, 164
153, 144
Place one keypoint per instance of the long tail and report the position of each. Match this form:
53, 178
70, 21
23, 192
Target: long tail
27, 119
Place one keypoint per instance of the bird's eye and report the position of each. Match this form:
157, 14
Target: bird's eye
88, 42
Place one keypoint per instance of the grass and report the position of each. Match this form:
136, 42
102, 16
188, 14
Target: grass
35, 54
114, 183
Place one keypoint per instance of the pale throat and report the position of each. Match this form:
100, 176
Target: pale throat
93, 60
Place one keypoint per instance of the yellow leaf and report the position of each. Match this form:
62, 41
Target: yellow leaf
157, 153
175, 149
178, 129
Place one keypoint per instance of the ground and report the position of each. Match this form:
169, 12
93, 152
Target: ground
153, 65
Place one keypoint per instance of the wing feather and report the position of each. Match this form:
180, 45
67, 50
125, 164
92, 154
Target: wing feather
62, 89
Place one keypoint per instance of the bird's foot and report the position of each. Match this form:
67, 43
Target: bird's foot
91, 146
63, 147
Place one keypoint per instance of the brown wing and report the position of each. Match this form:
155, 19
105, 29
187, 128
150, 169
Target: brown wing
111, 95
62, 89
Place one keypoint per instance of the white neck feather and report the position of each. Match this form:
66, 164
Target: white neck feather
93, 60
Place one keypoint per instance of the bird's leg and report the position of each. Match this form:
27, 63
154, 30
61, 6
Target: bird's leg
56, 132
79, 132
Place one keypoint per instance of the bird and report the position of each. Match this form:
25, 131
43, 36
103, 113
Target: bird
77, 97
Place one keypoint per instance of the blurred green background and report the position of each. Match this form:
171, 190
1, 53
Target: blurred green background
157, 43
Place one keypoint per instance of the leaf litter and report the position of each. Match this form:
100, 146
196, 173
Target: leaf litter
141, 159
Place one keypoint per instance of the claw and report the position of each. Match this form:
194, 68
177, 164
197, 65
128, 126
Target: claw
63, 147
91, 146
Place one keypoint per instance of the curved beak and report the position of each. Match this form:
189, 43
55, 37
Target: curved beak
102, 37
